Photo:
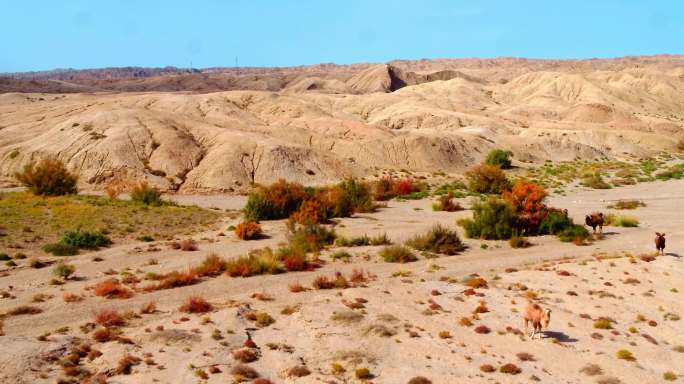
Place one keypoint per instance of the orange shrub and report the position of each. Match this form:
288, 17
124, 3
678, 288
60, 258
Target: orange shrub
248, 230
71, 297
312, 211
196, 304
174, 279
528, 200
112, 289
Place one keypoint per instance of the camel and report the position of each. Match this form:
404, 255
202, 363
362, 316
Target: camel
595, 220
660, 243
538, 316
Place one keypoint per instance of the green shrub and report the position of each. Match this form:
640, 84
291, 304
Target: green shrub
60, 249
575, 233
355, 196
48, 178
494, 219
85, 239
437, 240
627, 204
486, 178
309, 238
625, 354
363, 240
146, 194
554, 223
340, 255
519, 242
258, 262
622, 221
499, 158
397, 254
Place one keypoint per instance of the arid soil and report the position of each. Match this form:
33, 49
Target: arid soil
319, 124
407, 320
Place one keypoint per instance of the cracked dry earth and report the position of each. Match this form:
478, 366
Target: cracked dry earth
403, 321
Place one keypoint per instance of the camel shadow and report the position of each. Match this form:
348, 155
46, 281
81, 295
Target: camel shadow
560, 336
673, 254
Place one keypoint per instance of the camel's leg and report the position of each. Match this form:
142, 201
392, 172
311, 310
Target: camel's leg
525, 322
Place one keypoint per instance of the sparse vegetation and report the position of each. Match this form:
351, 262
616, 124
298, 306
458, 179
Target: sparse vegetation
625, 354
627, 204
145, 194
494, 219
363, 240
621, 221
195, 304
64, 270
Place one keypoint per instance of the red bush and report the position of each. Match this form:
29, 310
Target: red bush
295, 262
405, 187
109, 318
112, 289
196, 304
311, 211
248, 230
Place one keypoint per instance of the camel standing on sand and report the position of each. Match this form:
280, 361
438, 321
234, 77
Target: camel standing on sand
538, 316
660, 243
595, 220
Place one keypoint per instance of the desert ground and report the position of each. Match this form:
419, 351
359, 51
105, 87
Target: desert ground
401, 322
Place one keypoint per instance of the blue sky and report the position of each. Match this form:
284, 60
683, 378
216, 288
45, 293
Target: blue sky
38, 35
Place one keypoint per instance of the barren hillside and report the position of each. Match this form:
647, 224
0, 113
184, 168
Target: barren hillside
217, 129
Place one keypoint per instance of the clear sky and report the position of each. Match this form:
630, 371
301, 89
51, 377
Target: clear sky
47, 34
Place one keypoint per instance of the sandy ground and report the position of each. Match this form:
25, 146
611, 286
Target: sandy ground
394, 348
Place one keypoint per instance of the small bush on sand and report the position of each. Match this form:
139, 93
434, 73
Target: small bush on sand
476, 282
603, 323
669, 376
298, 371
510, 369
243, 372
363, 240
575, 233
494, 219
145, 194
69, 297
624, 354
148, 308
622, 221
487, 368
246, 355
212, 265
595, 181
64, 270
277, 201
627, 204
126, 364
488, 179
188, 245
519, 242
446, 203
308, 238
195, 304
592, 370
397, 254
439, 239
248, 230
499, 158
524, 356
109, 318
257, 262
482, 329
112, 289
24, 310
363, 374
48, 178
419, 380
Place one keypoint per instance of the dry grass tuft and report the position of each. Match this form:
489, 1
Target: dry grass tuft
510, 369
109, 318
195, 304
298, 371
112, 289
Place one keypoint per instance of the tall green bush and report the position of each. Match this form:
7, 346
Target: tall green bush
493, 219
499, 158
48, 178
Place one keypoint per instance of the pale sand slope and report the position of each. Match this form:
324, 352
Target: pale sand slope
318, 341
223, 141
